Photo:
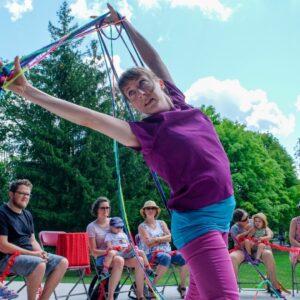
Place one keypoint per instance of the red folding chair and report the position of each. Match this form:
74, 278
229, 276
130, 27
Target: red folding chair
74, 249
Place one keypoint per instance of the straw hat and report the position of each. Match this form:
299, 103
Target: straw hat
149, 203
262, 217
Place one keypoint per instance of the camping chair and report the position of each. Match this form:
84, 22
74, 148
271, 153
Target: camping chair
51, 239
248, 284
12, 277
125, 281
295, 281
171, 273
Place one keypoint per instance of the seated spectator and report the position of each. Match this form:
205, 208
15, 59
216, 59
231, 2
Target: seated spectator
17, 234
117, 243
242, 228
97, 231
294, 236
260, 232
155, 240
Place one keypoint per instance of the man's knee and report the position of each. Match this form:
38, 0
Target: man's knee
39, 270
63, 265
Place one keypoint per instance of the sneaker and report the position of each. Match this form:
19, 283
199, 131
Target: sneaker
104, 274
182, 291
151, 273
7, 294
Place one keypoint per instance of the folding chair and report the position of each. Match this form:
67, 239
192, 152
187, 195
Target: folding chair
51, 239
9, 277
125, 280
295, 281
171, 273
12, 277
248, 284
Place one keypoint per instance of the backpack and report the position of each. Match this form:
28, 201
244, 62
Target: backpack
98, 289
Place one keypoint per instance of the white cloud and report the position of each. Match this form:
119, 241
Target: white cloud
83, 9
233, 101
160, 39
117, 64
125, 9
80, 9
298, 103
210, 8
148, 4
18, 8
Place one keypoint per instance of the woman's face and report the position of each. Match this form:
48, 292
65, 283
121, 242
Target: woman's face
147, 95
150, 212
103, 210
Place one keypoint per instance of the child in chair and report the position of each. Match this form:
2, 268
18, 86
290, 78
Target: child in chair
261, 234
118, 244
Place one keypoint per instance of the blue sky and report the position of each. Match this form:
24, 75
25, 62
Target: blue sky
240, 56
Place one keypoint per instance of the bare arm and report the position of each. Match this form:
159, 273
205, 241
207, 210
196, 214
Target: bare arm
147, 52
93, 248
34, 243
166, 238
108, 125
292, 234
154, 241
9, 248
268, 236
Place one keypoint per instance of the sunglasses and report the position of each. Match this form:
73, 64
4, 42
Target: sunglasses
23, 194
244, 220
104, 208
150, 208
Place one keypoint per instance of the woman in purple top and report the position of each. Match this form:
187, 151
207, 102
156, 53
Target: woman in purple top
180, 144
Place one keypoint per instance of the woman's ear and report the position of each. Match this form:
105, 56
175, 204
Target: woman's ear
161, 83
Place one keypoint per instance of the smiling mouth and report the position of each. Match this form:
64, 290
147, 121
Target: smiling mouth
149, 101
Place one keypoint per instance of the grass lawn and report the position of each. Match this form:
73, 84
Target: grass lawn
247, 273
283, 268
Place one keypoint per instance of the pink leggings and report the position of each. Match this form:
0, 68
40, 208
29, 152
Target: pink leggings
211, 271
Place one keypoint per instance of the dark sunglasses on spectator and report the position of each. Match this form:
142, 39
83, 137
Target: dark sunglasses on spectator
244, 220
148, 208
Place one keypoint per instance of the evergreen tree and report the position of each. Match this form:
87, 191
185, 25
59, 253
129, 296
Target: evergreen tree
69, 165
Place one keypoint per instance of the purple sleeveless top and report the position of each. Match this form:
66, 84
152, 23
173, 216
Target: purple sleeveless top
183, 148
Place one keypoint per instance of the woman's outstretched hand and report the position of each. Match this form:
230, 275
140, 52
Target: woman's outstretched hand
20, 82
113, 17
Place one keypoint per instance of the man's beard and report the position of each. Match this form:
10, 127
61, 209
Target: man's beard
16, 204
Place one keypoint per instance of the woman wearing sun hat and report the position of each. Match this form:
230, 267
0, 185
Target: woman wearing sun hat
155, 238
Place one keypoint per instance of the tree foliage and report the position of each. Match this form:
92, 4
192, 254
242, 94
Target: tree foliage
70, 166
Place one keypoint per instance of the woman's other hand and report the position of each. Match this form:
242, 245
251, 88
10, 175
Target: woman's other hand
113, 17
20, 82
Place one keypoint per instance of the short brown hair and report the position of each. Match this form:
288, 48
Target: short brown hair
134, 74
15, 184
96, 205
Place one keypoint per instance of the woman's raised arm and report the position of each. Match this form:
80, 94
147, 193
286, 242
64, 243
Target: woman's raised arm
147, 52
108, 125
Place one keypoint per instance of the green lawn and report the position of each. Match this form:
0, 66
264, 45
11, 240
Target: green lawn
283, 268
247, 273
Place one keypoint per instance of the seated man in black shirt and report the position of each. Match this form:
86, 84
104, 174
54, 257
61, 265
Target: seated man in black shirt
17, 234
